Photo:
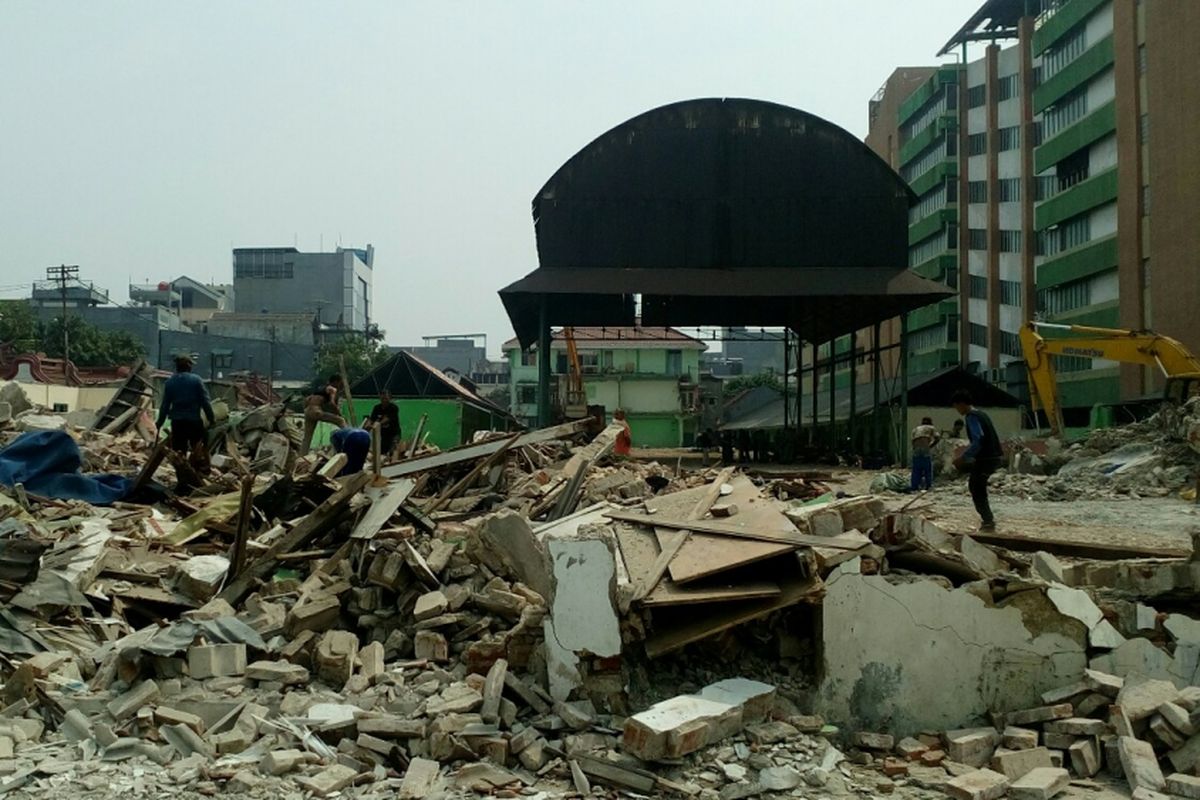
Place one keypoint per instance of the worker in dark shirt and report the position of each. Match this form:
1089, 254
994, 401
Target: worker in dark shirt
982, 457
386, 415
356, 444
185, 399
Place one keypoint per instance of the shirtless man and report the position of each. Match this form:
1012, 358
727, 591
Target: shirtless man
321, 407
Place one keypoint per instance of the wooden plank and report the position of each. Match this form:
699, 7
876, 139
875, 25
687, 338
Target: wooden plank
709, 527
472, 476
416, 437
352, 414
1084, 548
639, 551
245, 506
669, 593
727, 615
472, 451
384, 503
313, 525
151, 466
675, 542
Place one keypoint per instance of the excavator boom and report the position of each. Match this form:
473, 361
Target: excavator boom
1174, 360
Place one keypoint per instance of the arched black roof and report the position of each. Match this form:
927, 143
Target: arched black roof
721, 212
723, 183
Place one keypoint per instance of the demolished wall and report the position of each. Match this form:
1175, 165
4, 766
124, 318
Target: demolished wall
907, 657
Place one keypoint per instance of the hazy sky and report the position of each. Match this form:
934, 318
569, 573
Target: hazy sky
143, 140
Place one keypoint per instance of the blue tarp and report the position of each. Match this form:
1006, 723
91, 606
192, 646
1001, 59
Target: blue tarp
48, 463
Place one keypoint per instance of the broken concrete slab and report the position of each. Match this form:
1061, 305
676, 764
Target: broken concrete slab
1187, 786
1042, 783
1140, 697
584, 607
971, 746
420, 780
982, 784
216, 660
1075, 603
678, 726
1014, 764
1105, 637
1140, 765
755, 698
507, 545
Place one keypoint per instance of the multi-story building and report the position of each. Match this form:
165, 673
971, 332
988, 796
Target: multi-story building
335, 287
193, 301
651, 373
1034, 169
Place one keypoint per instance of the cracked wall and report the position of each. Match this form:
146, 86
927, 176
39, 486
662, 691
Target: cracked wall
906, 657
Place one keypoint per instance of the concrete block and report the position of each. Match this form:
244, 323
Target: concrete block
430, 604
1102, 682
164, 715
332, 779
506, 544
493, 687
201, 576
1058, 741
982, 784
873, 741
1104, 636
1085, 757
317, 614
1047, 567
912, 749
126, 705
933, 758
779, 779
283, 672
420, 779
694, 721
1030, 716
1065, 693
216, 660
1058, 759
1042, 783
1013, 764
1077, 726
1181, 785
371, 660
281, 762
1170, 737
971, 746
1178, 718
1141, 697
334, 657
392, 727
757, 699
431, 646
1015, 738
1140, 764
1090, 703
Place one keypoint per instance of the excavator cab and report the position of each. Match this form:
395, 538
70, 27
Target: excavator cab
1181, 388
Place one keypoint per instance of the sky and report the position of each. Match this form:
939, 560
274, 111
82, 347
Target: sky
143, 140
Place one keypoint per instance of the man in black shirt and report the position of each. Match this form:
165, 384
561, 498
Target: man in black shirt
982, 457
386, 415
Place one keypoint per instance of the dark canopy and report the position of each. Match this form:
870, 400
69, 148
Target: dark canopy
722, 212
407, 376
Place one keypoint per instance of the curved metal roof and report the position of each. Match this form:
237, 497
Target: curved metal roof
721, 212
723, 183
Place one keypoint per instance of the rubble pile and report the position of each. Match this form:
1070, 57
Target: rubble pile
528, 614
1157, 457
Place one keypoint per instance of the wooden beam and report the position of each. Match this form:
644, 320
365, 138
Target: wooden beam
352, 414
151, 466
470, 452
798, 539
245, 508
472, 476
317, 522
383, 507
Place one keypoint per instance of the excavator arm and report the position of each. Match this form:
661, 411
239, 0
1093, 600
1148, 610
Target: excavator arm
1177, 363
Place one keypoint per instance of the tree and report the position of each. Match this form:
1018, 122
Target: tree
742, 382
361, 355
18, 326
90, 346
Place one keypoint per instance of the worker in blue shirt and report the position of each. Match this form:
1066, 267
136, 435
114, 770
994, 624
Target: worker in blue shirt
982, 457
184, 400
356, 444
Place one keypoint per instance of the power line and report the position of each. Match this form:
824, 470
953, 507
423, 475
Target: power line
61, 275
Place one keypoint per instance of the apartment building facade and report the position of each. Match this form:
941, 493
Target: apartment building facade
1039, 184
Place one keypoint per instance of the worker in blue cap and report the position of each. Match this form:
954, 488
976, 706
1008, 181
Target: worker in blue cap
356, 444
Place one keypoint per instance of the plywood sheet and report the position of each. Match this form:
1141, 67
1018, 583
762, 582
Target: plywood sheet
703, 555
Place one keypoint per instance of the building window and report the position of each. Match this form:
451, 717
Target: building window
1010, 241
1010, 190
934, 200
1065, 112
977, 239
1008, 86
1047, 187
526, 395
1064, 298
976, 96
1073, 169
1010, 344
528, 358
977, 191
1069, 48
940, 151
1010, 138
1072, 363
674, 362
978, 287
979, 336
1010, 294
977, 144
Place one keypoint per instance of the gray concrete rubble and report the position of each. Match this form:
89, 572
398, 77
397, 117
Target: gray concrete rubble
532, 617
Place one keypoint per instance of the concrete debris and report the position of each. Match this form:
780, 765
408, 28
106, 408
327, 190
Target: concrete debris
505, 621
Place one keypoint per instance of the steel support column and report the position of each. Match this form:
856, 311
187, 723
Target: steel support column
876, 370
812, 432
902, 438
853, 412
543, 361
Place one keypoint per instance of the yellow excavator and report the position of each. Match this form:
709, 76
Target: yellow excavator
575, 403
1178, 365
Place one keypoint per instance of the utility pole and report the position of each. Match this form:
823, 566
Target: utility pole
61, 275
